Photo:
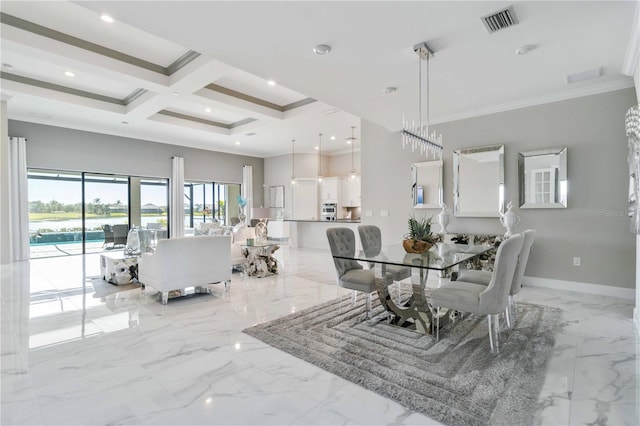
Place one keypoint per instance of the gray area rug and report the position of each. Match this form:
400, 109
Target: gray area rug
103, 288
455, 381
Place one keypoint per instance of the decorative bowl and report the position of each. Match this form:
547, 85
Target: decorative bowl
416, 246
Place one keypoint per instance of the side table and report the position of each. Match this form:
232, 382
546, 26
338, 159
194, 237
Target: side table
259, 260
118, 268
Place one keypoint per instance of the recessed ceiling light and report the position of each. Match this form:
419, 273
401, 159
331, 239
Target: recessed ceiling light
69, 73
7, 66
348, 141
525, 49
331, 111
322, 49
271, 83
389, 89
333, 137
237, 142
175, 93
207, 110
106, 18
316, 148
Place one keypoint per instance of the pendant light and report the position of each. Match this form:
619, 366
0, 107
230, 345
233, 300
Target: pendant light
320, 157
417, 136
352, 141
293, 162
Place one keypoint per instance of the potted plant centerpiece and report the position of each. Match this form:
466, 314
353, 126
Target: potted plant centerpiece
419, 239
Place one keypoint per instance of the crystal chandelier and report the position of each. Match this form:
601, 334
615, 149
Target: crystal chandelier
415, 134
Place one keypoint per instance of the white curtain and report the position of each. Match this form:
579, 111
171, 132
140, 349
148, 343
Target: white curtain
176, 197
247, 190
19, 208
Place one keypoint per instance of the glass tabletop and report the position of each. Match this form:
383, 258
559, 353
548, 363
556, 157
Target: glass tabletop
440, 257
260, 244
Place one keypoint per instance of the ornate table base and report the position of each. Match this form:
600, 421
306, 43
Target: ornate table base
416, 313
259, 260
117, 268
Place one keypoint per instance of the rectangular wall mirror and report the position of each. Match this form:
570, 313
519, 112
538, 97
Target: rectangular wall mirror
276, 197
542, 179
426, 185
478, 181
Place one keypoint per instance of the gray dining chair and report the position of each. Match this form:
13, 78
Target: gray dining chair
484, 277
489, 300
350, 274
371, 239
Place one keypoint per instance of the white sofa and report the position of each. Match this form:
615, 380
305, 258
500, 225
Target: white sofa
184, 262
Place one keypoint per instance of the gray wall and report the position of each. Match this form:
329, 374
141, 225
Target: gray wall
594, 226
66, 149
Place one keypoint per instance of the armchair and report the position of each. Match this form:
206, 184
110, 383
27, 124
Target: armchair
184, 262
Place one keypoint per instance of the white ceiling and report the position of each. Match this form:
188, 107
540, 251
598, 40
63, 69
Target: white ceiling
244, 44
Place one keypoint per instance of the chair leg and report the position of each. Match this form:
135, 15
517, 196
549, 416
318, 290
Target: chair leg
354, 298
494, 333
437, 324
513, 309
369, 302
165, 297
507, 318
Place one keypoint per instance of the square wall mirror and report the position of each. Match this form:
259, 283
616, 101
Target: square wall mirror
478, 181
426, 185
276, 197
542, 179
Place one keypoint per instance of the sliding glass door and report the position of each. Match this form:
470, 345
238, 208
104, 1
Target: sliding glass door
75, 212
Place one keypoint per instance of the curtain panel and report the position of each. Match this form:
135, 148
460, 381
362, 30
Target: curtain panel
247, 190
176, 198
19, 208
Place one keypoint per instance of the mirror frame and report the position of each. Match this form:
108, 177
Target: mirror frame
456, 181
415, 167
562, 177
276, 197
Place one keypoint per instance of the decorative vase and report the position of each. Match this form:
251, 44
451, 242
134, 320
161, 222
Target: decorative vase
416, 246
509, 220
443, 219
133, 242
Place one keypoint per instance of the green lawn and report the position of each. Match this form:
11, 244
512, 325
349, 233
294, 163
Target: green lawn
34, 217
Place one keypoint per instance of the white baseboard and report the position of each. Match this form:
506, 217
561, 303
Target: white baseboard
599, 289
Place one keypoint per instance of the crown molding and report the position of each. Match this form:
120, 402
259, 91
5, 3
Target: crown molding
632, 56
609, 86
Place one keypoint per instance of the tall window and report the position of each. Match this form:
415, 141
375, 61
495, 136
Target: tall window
75, 212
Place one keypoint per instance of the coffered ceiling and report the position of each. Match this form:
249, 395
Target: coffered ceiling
196, 73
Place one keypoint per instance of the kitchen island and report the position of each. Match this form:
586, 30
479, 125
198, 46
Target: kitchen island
313, 233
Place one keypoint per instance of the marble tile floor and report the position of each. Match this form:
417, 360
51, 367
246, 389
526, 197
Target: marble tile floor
68, 358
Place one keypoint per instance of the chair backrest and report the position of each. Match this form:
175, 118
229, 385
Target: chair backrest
107, 230
529, 237
493, 300
120, 230
371, 239
342, 242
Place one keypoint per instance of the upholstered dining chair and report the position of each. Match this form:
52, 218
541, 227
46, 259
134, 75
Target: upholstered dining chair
484, 277
371, 239
489, 300
351, 274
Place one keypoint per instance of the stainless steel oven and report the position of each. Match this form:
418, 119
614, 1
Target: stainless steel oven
329, 211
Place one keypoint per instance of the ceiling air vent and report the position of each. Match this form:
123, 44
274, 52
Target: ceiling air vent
251, 134
500, 20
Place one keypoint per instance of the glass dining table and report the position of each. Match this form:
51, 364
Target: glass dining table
414, 311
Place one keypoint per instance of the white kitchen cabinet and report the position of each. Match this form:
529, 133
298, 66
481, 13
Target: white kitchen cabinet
330, 190
351, 192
